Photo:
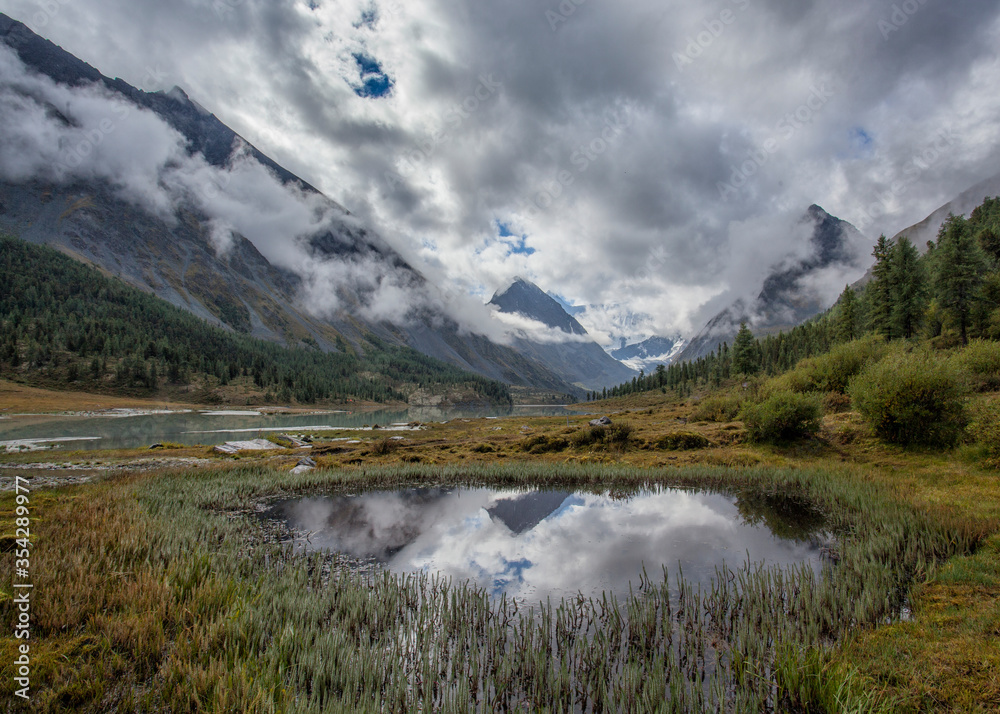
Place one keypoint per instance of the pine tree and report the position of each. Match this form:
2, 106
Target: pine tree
960, 263
746, 358
878, 295
908, 289
847, 316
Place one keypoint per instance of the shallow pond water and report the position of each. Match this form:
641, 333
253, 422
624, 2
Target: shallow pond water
537, 544
124, 431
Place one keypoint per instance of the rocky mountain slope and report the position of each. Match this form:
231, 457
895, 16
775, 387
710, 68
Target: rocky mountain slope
323, 280
649, 353
791, 292
570, 351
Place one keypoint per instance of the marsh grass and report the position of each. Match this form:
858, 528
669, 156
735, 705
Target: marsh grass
159, 596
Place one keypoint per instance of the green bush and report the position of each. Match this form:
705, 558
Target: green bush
912, 398
833, 371
720, 408
783, 416
384, 447
682, 441
985, 429
980, 360
542, 444
618, 435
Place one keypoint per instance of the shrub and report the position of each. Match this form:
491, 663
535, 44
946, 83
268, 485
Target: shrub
985, 429
912, 398
836, 402
542, 444
783, 416
721, 408
682, 441
833, 371
384, 447
981, 361
619, 434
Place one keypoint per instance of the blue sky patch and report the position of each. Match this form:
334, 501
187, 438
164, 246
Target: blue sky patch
862, 141
374, 82
519, 245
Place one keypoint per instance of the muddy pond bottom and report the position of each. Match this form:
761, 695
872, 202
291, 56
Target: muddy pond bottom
537, 544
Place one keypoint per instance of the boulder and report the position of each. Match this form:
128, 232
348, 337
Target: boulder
603, 421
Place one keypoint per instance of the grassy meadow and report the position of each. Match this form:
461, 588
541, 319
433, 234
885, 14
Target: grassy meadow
155, 592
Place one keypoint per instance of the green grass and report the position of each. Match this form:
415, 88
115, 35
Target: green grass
158, 598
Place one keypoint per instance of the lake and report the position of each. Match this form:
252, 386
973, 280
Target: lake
532, 545
126, 430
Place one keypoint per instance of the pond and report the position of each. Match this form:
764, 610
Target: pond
127, 429
532, 545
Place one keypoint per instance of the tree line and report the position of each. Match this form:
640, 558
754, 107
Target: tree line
948, 295
63, 323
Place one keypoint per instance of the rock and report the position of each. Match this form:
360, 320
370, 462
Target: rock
302, 469
234, 447
307, 462
155, 446
603, 421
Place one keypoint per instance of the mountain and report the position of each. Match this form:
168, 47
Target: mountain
794, 291
649, 353
525, 298
568, 350
927, 229
153, 188
103, 335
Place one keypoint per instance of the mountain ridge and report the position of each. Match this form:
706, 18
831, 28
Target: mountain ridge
783, 301
585, 363
177, 257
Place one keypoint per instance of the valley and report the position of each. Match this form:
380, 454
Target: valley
316, 396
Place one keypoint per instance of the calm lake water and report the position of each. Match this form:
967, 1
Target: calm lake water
536, 544
215, 427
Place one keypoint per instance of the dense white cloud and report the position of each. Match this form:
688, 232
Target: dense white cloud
606, 135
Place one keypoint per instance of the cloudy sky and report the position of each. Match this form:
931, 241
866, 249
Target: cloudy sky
644, 154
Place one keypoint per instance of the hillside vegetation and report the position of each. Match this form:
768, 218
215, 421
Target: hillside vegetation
64, 325
913, 352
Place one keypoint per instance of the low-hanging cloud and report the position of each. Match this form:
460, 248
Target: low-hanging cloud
63, 134
283, 73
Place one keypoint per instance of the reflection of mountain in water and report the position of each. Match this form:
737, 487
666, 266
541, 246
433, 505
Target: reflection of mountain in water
524, 512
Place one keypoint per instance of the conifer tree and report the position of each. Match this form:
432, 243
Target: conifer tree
878, 295
908, 286
960, 263
847, 316
746, 358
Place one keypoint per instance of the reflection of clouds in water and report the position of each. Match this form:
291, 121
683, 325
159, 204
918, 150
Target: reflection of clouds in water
589, 543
